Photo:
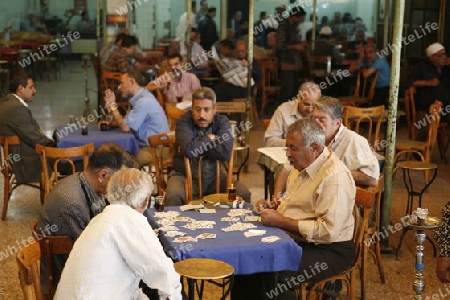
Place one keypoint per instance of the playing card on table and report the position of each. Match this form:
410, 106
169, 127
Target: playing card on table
191, 206
184, 239
270, 239
182, 219
168, 228
207, 211
171, 233
206, 236
199, 225
165, 222
238, 212
230, 219
253, 219
254, 232
166, 214
239, 227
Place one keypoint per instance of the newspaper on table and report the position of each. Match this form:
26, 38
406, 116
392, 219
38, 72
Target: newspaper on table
231, 70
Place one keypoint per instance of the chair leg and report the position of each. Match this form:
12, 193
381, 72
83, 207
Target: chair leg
377, 258
6, 195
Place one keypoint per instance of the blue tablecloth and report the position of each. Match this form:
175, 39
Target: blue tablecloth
71, 137
246, 255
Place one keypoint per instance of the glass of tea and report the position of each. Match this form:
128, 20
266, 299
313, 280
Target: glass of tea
159, 203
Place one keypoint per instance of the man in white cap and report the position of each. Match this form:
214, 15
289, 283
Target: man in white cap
325, 48
432, 81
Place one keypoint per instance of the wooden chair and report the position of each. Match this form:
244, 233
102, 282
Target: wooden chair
162, 146
157, 90
354, 116
50, 177
111, 80
50, 246
189, 182
422, 148
364, 90
28, 260
370, 234
173, 114
266, 123
320, 66
365, 199
410, 110
154, 57
269, 82
9, 179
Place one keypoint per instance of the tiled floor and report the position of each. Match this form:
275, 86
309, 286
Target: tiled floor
55, 101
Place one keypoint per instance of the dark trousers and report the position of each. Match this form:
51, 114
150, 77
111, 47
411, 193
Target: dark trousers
318, 262
225, 92
381, 96
288, 85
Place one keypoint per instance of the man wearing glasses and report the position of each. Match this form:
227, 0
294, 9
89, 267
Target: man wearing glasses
287, 113
432, 81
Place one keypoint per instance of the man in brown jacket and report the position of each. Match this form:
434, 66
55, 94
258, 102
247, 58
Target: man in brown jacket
16, 119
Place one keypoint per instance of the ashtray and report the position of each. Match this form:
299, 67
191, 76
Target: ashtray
430, 223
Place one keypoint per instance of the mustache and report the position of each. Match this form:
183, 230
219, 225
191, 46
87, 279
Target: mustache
201, 119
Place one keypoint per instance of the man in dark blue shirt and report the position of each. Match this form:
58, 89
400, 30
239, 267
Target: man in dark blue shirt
432, 81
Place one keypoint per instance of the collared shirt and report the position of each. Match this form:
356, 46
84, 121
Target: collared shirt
183, 25
118, 61
321, 197
286, 114
21, 100
384, 71
426, 95
118, 241
354, 151
442, 233
182, 87
146, 116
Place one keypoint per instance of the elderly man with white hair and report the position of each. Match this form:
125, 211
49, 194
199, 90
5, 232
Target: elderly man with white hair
118, 248
432, 81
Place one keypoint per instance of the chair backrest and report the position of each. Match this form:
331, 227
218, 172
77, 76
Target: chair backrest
230, 107
50, 177
154, 57
266, 123
158, 144
49, 246
110, 80
363, 198
5, 142
173, 114
269, 69
354, 116
378, 192
410, 110
189, 181
435, 116
320, 65
365, 87
28, 260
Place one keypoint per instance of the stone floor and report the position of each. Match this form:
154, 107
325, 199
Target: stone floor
56, 100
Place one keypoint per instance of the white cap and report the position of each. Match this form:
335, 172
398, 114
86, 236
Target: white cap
281, 5
325, 31
434, 48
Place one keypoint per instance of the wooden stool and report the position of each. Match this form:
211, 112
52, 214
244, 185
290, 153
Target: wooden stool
205, 269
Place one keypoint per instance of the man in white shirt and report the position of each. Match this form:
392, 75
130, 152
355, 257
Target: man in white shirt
316, 209
118, 248
288, 112
353, 149
183, 23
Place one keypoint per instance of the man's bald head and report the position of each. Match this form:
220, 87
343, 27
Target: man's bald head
308, 94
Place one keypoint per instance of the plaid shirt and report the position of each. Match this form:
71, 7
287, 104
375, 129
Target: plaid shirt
118, 61
183, 86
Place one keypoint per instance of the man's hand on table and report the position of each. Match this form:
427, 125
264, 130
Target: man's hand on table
271, 217
265, 204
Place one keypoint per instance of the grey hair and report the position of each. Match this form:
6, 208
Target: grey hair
204, 93
310, 130
330, 105
129, 186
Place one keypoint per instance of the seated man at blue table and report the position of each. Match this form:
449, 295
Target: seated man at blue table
201, 132
76, 199
353, 149
146, 116
120, 241
370, 64
317, 207
16, 119
288, 112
